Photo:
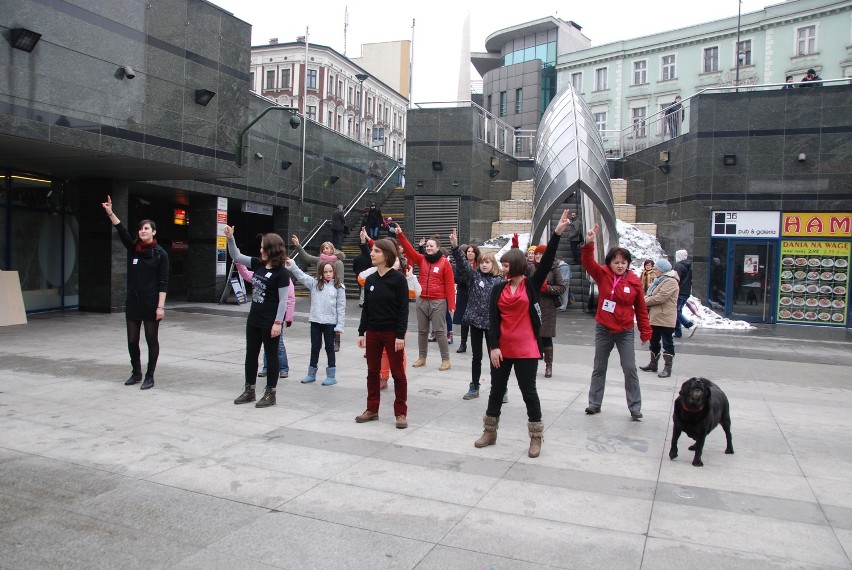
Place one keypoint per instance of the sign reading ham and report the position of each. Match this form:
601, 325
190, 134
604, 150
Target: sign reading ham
813, 224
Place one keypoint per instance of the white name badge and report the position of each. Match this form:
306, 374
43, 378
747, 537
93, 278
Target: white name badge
269, 274
627, 289
135, 260
482, 284
434, 270
609, 306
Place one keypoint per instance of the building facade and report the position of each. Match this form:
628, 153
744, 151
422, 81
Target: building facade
627, 83
340, 94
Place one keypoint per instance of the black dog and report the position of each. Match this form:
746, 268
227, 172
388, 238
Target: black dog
700, 407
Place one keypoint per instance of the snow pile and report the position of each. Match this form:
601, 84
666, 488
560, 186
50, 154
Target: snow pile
641, 245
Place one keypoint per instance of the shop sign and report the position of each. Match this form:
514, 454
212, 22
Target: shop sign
255, 208
814, 224
814, 282
180, 245
745, 224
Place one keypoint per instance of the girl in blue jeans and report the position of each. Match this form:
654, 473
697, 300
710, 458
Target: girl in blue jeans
328, 313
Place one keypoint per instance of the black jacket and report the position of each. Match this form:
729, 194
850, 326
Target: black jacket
533, 284
684, 272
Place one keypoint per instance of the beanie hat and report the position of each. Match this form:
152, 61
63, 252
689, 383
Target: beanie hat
681, 255
663, 265
531, 249
541, 248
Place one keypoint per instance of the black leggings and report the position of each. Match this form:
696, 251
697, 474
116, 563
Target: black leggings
255, 337
134, 328
546, 341
525, 370
476, 336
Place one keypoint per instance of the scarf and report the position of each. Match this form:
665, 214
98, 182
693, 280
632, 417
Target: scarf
654, 284
433, 257
329, 258
142, 246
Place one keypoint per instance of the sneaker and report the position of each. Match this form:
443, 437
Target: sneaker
419, 362
282, 374
636, 416
267, 400
401, 422
262, 374
472, 392
445, 365
449, 338
692, 329
367, 416
593, 410
383, 383
677, 334
506, 397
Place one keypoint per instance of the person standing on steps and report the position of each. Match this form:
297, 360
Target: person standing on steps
575, 236
513, 331
437, 296
661, 300
147, 285
620, 304
338, 224
269, 286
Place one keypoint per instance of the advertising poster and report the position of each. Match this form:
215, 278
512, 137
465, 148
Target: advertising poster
221, 240
751, 264
814, 282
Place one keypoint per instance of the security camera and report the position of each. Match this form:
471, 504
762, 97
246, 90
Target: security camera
128, 72
258, 156
741, 57
295, 122
802, 157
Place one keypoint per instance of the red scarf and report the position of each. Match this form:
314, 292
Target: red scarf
142, 246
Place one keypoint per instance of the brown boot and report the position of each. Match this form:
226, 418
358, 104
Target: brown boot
548, 362
536, 435
667, 367
367, 416
652, 366
489, 434
419, 362
247, 396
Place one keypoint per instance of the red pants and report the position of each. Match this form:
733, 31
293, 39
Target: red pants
384, 373
378, 342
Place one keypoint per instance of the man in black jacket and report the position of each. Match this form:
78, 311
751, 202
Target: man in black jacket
338, 223
683, 266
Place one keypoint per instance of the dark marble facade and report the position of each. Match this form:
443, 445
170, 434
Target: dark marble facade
767, 131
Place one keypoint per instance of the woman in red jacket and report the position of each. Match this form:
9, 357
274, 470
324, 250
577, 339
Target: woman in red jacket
438, 295
620, 301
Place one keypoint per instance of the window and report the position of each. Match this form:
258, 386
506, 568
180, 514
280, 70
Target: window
640, 72
744, 52
711, 59
312, 79
330, 120
577, 82
668, 67
251, 80
638, 116
330, 84
339, 88
285, 78
312, 112
600, 122
270, 79
351, 97
806, 40
490, 102
519, 101
502, 103
600, 79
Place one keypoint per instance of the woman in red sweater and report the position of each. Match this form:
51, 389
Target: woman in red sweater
513, 335
620, 301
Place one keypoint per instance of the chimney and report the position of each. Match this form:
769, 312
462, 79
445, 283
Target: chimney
273, 41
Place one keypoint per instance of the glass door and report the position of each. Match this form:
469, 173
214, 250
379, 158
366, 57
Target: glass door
751, 280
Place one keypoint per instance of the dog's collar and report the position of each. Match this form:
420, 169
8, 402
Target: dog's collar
685, 409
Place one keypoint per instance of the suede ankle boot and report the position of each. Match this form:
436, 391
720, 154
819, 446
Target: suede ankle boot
489, 433
536, 430
652, 366
267, 400
247, 395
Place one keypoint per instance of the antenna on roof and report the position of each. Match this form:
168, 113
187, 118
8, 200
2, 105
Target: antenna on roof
345, 27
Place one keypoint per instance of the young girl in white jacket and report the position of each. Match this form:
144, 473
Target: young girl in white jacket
328, 313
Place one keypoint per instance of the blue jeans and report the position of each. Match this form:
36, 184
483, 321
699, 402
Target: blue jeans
320, 332
283, 364
605, 340
681, 320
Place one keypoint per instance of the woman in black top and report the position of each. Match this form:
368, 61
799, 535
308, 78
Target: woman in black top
268, 304
384, 321
147, 285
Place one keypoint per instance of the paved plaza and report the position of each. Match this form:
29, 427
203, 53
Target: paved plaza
94, 474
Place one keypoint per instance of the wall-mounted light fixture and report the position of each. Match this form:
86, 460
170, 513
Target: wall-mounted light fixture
437, 165
665, 168
420, 184
24, 39
493, 172
204, 96
285, 164
258, 156
802, 157
333, 179
455, 182
494, 162
664, 156
729, 160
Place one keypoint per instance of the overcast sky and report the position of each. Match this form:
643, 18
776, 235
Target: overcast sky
438, 25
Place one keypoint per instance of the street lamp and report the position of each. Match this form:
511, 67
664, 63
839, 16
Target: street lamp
361, 77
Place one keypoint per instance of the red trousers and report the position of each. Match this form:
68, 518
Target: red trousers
378, 342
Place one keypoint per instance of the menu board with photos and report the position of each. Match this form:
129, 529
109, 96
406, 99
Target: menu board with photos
814, 282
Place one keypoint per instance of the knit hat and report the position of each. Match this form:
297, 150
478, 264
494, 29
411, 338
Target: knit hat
540, 248
663, 265
531, 249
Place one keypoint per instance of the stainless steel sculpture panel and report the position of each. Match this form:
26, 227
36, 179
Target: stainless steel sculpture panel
570, 158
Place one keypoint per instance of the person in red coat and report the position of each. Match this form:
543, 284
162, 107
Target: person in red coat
620, 302
438, 295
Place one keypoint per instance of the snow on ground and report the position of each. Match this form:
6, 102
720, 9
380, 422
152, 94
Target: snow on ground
642, 246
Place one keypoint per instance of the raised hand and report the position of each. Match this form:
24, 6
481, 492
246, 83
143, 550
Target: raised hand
590, 235
454, 238
363, 235
229, 231
564, 222
107, 206
295, 239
